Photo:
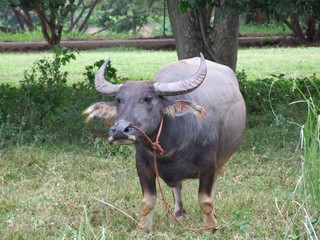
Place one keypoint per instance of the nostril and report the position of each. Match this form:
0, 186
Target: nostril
113, 129
127, 129
122, 127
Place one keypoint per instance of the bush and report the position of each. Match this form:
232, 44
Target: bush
45, 108
270, 99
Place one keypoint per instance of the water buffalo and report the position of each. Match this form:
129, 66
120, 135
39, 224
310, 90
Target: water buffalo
204, 120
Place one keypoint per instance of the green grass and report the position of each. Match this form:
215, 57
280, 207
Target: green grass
46, 191
21, 37
264, 29
262, 62
142, 64
35, 36
131, 63
245, 29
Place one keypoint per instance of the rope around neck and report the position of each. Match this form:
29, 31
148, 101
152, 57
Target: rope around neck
156, 147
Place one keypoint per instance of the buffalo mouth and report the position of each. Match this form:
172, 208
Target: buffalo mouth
122, 133
122, 140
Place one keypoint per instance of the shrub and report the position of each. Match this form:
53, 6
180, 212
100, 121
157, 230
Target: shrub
271, 97
45, 108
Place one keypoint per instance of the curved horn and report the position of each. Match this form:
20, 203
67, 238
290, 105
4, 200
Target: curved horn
183, 86
102, 85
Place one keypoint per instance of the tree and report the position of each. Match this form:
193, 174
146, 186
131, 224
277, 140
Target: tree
190, 20
299, 15
24, 18
80, 9
53, 15
194, 33
16, 15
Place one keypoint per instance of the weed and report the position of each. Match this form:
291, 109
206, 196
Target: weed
303, 216
269, 98
242, 220
84, 231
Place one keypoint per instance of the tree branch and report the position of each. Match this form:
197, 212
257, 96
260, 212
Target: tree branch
84, 23
317, 34
297, 28
284, 19
74, 22
18, 17
28, 19
72, 26
43, 22
205, 42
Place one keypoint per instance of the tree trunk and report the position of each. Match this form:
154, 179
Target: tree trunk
85, 21
51, 30
219, 44
317, 34
223, 39
43, 22
19, 20
186, 31
297, 30
27, 19
311, 28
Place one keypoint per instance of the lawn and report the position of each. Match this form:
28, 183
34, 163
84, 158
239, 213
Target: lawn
256, 62
88, 190
45, 191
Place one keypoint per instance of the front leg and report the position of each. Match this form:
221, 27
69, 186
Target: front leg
148, 185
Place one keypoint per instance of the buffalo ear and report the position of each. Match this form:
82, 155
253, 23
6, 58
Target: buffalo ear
180, 108
107, 111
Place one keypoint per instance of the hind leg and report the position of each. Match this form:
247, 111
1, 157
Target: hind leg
205, 196
179, 210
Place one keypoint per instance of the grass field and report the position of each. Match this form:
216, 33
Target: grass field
50, 191
256, 62
45, 190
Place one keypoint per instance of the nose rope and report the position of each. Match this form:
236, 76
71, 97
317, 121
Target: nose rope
155, 145
157, 148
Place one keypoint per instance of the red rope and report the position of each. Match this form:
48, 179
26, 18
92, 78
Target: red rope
157, 148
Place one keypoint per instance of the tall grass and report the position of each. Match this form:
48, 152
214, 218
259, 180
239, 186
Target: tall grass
304, 203
311, 166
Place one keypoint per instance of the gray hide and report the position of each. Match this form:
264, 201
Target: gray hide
196, 146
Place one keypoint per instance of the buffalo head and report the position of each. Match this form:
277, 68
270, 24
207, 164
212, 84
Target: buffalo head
142, 103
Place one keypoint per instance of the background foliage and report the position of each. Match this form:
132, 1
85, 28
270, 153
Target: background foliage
46, 107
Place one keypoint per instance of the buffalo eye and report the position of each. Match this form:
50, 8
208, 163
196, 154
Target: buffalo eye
118, 100
147, 99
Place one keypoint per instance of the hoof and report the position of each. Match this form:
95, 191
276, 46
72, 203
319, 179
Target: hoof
211, 223
211, 229
147, 231
140, 234
180, 214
